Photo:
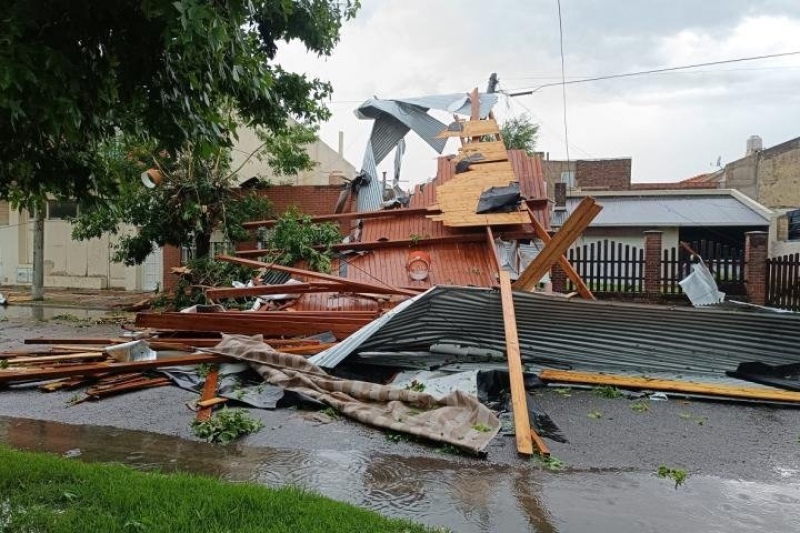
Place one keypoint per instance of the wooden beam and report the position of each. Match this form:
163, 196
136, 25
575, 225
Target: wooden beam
563, 262
493, 249
56, 358
363, 215
542, 448
580, 218
291, 288
631, 382
519, 401
209, 392
363, 286
97, 368
379, 245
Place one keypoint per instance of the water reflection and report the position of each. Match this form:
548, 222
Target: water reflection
462, 495
41, 313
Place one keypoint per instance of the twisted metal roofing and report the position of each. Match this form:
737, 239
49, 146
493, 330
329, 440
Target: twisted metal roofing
591, 335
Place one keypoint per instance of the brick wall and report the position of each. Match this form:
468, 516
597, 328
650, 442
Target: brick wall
603, 174
309, 199
778, 175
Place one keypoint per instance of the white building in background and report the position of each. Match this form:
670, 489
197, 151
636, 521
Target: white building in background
87, 264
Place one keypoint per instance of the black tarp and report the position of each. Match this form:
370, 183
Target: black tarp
500, 199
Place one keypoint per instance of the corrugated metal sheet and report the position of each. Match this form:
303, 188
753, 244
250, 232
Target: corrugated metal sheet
592, 335
712, 210
454, 103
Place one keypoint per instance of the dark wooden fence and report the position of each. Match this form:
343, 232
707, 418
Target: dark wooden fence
783, 282
608, 266
725, 262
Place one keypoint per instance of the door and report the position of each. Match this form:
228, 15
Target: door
152, 271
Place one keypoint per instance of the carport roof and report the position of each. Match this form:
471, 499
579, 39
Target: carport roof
718, 207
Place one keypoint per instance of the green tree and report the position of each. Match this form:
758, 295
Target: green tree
195, 197
519, 133
178, 74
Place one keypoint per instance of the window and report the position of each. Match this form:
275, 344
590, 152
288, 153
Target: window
793, 218
4, 213
58, 210
568, 177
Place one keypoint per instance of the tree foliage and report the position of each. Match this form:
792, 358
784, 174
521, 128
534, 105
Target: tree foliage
296, 238
74, 75
519, 133
195, 197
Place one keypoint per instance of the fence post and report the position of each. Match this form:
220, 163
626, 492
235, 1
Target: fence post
652, 261
755, 266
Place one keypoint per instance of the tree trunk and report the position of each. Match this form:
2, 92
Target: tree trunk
37, 285
202, 245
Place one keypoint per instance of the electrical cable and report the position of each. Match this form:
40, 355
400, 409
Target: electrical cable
646, 72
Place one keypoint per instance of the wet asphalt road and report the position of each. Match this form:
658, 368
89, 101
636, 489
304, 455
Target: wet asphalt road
747, 442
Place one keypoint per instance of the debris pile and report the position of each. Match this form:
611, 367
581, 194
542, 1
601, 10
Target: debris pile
434, 324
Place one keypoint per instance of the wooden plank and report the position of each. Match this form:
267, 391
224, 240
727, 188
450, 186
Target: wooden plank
363, 215
471, 128
541, 447
26, 374
630, 382
522, 424
577, 222
250, 327
367, 287
209, 392
79, 340
211, 402
56, 358
563, 262
378, 245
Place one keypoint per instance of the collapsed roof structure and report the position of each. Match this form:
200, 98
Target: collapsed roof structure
427, 285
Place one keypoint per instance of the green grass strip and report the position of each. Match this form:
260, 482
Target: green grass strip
46, 493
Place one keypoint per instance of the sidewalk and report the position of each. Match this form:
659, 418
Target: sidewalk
82, 298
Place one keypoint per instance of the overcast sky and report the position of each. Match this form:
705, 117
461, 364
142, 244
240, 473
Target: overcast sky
673, 125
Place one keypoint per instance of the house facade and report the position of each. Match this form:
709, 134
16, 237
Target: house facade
89, 265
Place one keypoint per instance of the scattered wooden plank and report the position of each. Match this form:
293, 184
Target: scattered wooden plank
103, 390
630, 382
541, 447
363, 215
78, 340
28, 374
563, 262
519, 402
212, 402
361, 286
310, 349
577, 222
209, 391
56, 358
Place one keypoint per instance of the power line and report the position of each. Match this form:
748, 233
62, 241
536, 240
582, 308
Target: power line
652, 71
563, 82
709, 71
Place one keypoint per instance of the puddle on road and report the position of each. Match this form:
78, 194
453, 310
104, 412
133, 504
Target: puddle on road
41, 312
463, 497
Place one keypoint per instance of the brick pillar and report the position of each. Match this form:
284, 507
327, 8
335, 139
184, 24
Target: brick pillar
558, 278
171, 258
756, 252
652, 261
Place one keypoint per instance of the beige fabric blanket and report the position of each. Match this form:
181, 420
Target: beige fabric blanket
458, 419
